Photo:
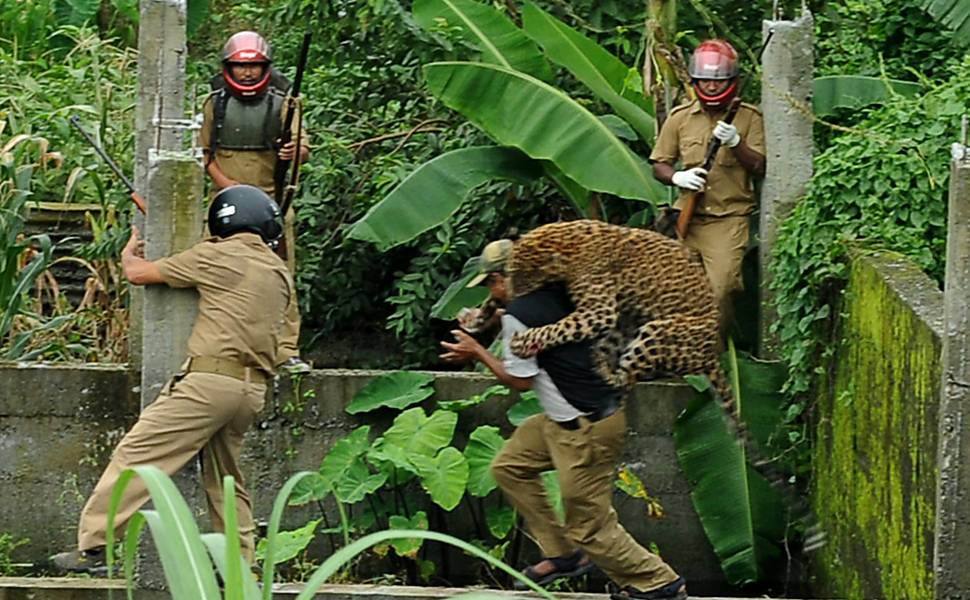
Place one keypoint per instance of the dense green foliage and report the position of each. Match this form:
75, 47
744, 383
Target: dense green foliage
884, 186
372, 122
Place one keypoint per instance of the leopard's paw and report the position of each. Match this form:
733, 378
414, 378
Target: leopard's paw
523, 346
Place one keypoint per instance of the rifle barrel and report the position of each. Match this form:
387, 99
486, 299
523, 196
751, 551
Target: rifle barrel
104, 155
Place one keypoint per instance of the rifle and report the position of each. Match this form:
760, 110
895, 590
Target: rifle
285, 191
687, 213
135, 196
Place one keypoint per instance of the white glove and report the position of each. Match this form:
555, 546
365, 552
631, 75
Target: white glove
958, 151
727, 133
691, 179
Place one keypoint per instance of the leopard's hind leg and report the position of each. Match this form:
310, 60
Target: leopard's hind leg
687, 345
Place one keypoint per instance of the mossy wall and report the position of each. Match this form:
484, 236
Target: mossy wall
875, 454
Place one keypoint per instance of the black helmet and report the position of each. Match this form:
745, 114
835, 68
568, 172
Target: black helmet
245, 208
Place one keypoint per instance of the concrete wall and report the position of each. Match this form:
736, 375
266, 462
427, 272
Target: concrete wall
58, 425
875, 456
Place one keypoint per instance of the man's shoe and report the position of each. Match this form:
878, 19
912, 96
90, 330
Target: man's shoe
571, 565
294, 366
81, 561
675, 590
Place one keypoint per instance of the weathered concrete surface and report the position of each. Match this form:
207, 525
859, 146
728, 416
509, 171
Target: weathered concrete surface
161, 97
54, 439
875, 453
98, 589
173, 224
786, 101
952, 562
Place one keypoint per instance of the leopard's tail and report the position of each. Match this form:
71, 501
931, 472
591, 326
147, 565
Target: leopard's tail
815, 537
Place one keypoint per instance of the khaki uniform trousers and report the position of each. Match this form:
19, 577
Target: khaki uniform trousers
585, 460
195, 412
721, 242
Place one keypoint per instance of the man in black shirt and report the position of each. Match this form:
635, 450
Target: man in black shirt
580, 434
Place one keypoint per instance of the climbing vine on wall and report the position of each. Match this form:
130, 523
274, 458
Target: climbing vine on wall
883, 185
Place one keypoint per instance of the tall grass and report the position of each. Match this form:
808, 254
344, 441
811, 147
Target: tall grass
191, 559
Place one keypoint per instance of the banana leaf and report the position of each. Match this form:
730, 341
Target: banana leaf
436, 190
743, 516
499, 40
518, 110
952, 14
855, 91
596, 68
458, 295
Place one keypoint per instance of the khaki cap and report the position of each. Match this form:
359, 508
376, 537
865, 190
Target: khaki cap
493, 258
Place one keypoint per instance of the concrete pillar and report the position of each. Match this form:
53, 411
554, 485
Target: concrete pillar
786, 101
173, 225
161, 96
952, 561
161, 318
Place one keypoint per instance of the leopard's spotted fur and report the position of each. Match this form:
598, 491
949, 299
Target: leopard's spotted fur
645, 302
643, 299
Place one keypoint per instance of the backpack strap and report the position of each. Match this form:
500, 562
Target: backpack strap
218, 119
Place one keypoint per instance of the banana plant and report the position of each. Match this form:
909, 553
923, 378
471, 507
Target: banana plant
743, 516
508, 96
952, 14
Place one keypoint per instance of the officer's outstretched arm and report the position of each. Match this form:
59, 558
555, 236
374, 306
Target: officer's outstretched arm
138, 270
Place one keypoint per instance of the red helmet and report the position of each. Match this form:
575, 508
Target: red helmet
246, 47
715, 59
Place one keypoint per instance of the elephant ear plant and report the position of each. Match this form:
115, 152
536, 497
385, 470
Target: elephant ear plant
190, 560
414, 473
411, 474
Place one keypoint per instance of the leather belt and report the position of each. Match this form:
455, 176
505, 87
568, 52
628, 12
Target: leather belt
607, 409
223, 366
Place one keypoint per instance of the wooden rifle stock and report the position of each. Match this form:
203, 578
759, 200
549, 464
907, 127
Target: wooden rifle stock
687, 213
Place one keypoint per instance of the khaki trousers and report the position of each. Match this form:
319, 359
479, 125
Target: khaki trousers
721, 242
289, 344
196, 412
585, 460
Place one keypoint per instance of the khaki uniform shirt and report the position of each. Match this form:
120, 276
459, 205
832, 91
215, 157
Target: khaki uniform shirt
252, 167
684, 138
244, 291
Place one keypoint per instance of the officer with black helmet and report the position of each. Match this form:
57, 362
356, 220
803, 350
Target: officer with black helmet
245, 291
242, 123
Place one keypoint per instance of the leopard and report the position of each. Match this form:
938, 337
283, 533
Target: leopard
645, 303
642, 299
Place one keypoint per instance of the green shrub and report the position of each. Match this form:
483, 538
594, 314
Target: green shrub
884, 186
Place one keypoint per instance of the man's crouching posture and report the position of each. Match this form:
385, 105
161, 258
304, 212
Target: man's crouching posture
244, 291
580, 434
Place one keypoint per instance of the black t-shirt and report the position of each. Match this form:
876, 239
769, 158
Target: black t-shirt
570, 366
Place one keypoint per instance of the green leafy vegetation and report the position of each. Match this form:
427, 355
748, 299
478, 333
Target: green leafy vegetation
745, 519
8, 544
190, 560
416, 473
883, 186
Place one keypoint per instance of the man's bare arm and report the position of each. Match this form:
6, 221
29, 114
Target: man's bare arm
467, 348
138, 270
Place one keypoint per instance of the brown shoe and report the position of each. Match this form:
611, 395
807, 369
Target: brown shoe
81, 561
